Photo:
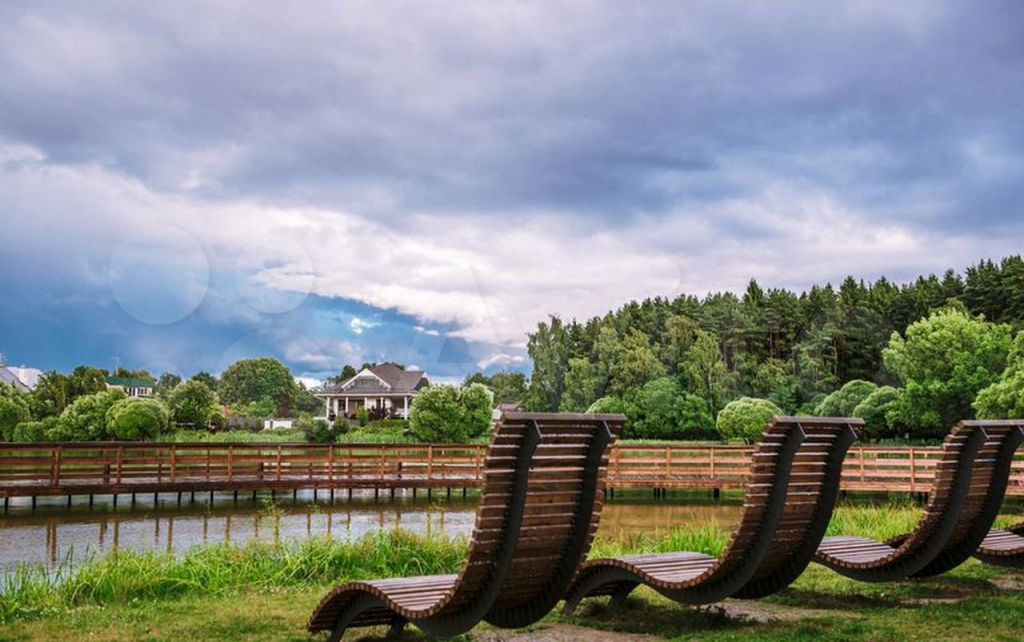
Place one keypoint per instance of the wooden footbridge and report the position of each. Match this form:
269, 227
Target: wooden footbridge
114, 468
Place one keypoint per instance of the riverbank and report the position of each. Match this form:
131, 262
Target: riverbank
265, 592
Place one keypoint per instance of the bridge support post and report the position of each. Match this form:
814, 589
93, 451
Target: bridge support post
236, 498
716, 493
69, 501
133, 500
7, 504
115, 500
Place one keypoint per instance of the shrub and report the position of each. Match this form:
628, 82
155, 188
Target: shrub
607, 405
874, 410
842, 402
341, 426
447, 414
316, 431
746, 418
13, 411
218, 421
137, 419
192, 403
362, 416
34, 431
86, 418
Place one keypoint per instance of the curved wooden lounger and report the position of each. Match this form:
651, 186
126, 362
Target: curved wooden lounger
544, 485
792, 489
1003, 547
970, 481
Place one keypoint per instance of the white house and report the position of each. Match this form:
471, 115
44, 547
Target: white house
385, 391
22, 378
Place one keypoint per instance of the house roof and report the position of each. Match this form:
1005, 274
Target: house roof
21, 377
130, 382
398, 380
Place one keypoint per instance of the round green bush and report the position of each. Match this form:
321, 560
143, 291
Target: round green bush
874, 410
137, 419
13, 411
746, 418
607, 405
446, 414
86, 418
842, 402
34, 431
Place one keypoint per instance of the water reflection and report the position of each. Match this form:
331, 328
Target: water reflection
54, 532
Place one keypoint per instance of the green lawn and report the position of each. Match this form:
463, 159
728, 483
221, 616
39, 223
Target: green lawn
263, 592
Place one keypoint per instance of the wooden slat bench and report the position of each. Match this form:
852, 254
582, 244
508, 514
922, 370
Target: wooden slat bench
970, 483
1003, 547
791, 492
544, 485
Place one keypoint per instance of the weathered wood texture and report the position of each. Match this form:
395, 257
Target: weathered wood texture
790, 496
1003, 547
542, 496
969, 485
105, 468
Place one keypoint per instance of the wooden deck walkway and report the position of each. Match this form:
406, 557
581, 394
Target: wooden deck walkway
33, 470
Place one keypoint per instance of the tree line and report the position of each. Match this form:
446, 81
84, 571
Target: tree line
79, 406
923, 351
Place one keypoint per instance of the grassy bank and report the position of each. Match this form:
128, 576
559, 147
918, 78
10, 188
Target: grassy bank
265, 592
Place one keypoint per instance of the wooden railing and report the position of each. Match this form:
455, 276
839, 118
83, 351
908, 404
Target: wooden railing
105, 468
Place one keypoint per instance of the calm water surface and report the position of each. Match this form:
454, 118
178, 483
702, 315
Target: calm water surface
53, 533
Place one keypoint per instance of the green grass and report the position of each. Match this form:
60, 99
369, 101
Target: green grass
282, 435
266, 592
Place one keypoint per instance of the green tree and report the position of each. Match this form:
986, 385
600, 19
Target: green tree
167, 382
51, 395
636, 364
944, 362
137, 419
85, 419
746, 418
842, 402
14, 409
549, 350
874, 410
661, 409
252, 380
86, 380
706, 371
1004, 399
192, 403
211, 381
583, 385
447, 414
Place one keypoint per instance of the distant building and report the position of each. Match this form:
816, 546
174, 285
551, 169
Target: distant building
386, 391
22, 378
132, 386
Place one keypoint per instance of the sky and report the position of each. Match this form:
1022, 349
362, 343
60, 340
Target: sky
186, 184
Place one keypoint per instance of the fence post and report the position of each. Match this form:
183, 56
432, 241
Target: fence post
174, 463
330, 465
862, 464
278, 462
120, 455
430, 462
55, 467
913, 472
231, 462
712, 456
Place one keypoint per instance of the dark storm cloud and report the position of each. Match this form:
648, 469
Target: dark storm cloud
584, 109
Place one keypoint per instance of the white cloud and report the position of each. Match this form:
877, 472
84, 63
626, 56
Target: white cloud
500, 359
494, 280
360, 325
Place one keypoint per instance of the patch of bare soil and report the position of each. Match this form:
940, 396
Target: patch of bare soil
560, 633
1008, 583
765, 613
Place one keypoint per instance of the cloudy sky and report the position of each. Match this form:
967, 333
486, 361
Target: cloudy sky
184, 184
